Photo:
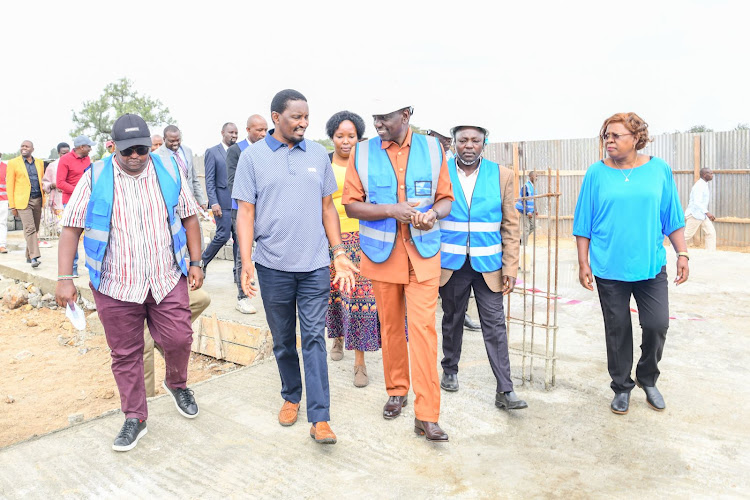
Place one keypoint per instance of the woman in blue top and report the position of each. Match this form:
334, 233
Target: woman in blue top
628, 203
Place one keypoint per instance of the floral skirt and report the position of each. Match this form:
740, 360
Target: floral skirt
353, 315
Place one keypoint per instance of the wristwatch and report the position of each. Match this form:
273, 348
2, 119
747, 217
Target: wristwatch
196, 263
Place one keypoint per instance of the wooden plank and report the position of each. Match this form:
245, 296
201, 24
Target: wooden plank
696, 158
217, 337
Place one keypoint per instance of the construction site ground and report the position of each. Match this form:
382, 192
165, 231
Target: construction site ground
566, 444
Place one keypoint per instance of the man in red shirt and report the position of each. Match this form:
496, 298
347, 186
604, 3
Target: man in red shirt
3, 209
70, 169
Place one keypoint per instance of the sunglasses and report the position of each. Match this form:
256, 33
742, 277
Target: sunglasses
140, 150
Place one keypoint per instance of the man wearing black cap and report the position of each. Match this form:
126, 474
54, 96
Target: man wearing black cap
138, 265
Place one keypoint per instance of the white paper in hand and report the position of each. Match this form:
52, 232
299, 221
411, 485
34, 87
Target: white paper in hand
76, 317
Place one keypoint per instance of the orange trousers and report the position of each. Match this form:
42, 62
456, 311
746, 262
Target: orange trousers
420, 300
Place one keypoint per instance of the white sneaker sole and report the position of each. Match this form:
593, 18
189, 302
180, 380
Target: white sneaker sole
174, 399
131, 445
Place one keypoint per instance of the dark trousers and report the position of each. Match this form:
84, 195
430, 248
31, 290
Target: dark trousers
224, 229
169, 324
286, 294
237, 269
653, 314
455, 298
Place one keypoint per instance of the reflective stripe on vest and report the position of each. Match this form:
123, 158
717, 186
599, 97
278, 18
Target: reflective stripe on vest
528, 188
477, 227
99, 214
380, 184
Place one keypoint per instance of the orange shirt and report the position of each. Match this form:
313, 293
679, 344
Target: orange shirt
405, 254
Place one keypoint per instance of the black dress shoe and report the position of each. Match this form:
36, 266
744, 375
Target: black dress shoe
449, 382
132, 430
430, 430
392, 408
184, 401
471, 324
509, 401
620, 403
653, 396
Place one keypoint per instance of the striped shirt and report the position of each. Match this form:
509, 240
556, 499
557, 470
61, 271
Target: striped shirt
139, 256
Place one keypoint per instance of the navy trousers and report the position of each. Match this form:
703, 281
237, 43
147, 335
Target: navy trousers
653, 314
286, 294
224, 230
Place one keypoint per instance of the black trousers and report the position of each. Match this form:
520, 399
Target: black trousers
455, 298
237, 269
653, 314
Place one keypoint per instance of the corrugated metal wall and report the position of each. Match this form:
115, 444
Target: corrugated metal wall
725, 152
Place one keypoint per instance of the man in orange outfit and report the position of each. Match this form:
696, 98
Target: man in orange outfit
398, 209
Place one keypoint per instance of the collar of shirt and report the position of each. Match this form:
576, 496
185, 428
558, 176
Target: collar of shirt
275, 144
407, 141
224, 146
29, 162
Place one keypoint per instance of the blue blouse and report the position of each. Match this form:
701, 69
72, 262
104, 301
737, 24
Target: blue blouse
626, 221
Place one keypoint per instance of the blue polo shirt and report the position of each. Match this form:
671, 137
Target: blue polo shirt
626, 221
287, 186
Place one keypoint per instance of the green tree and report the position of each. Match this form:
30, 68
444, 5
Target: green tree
327, 143
417, 130
695, 129
742, 126
96, 117
8, 156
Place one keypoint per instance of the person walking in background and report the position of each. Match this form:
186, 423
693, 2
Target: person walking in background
256, 128
69, 172
140, 229
156, 142
219, 196
53, 208
479, 251
628, 202
283, 187
183, 156
25, 197
109, 147
526, 207
697, 215
398, 186
352, 318
3, 208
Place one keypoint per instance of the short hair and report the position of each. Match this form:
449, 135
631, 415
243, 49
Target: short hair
705, 170
634, 123
281, 99
338, 118
224, 127
170, 128
62, 145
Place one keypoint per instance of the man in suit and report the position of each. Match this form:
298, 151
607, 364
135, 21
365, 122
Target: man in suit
25, 196
183, 155
219, 196
256, 130
479, 250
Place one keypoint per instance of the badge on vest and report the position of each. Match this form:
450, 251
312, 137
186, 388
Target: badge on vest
422, 188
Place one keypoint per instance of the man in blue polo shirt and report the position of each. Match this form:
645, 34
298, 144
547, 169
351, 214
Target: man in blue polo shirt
283, 186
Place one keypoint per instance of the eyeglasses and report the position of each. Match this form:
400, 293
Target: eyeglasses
140, 150
614, 136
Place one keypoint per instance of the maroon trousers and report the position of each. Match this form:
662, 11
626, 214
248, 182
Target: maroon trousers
169, 324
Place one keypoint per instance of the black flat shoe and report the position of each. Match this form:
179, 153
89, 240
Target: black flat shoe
653, 397
620, 403
449, 382
509, 401
471, 324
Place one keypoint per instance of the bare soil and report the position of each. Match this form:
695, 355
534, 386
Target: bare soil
51, 372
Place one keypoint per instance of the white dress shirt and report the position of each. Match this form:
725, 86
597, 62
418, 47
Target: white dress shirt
699, 197
467, 182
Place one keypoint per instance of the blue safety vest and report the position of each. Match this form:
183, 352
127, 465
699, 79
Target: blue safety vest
474, 230
99, 214
377, 238
243, 146
526, 190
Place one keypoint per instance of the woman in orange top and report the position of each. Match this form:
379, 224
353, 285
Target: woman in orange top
352, 318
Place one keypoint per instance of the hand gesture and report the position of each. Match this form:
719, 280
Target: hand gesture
404, 211
345, 270
424, 220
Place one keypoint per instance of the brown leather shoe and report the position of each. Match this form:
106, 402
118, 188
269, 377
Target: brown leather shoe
288, 413
321, 432
392, 408
430, 430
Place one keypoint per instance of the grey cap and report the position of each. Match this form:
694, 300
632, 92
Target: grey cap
83, 140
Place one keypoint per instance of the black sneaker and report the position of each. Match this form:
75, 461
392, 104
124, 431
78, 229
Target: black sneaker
132, 430
184, 401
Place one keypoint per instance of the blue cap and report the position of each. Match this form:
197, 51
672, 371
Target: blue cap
83, 140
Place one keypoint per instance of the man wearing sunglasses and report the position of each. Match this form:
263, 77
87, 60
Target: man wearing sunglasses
140, 225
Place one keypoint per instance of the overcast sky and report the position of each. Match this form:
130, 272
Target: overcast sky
526, 70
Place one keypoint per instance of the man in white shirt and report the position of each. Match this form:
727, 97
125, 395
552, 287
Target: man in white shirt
697, 215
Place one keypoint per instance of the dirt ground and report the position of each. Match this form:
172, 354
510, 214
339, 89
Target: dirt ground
50, 373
